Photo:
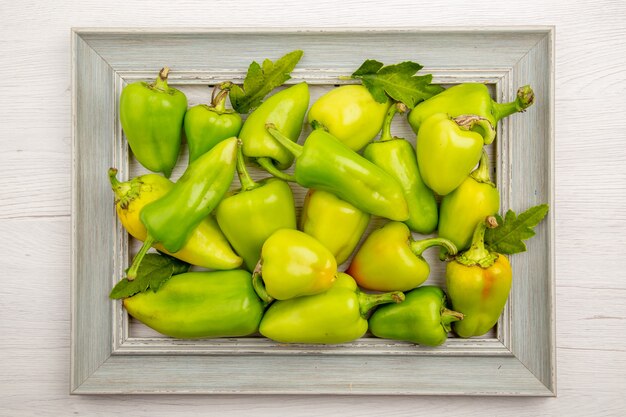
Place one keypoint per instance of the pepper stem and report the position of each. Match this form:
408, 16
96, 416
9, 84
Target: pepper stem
125, 192
116, 185
525, 98
369, 301
218, 98
113, 178
419, 246
267, 164
477, 254
161, 81
482, 173
259, 286
292, 147
393, 109
218, 103
131, 273
247, 183
448, 317
477, 123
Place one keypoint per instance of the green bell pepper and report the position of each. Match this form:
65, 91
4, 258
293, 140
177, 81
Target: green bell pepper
478, 283
200, 304
206, 126
397, 157
470, 98
421, 318
448, 149
253, 213
286, 110
325, 163
152, 119
335, 316
293, 264
350, 114
171, 219
476, 198
390, 260
337, 224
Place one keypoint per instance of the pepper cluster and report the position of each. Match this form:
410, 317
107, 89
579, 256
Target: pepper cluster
278, 276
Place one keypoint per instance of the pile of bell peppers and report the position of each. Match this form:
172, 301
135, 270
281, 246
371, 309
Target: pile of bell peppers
264, 266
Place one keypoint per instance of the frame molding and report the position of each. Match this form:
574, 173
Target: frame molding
519, 361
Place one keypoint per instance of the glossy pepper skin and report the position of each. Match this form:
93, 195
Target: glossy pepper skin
448, 149
470, 98
335, 316
397, 157
207, 246
337, 224
294, 264
253, 213
200, 304
421, 318
478, 283
350, 114
171, 219
476, 198
206, 126
324, 163
286, 110
152, 118
390, 260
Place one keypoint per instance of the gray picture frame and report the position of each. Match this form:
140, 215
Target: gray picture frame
519, 360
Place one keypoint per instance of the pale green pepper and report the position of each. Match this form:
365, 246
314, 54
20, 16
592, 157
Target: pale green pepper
350, 114
285, 110
293, 264
337, 224
335, 316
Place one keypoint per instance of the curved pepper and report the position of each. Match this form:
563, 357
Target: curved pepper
476, 198
207, 247
421, 318
294, 264
350, 114
337, 224
257, 210
200, 304
478, 283
470, 98
152, 119
171, 219
448, 149
397, 157
390, 260
335, 316
324, 163
206, 126
286, 110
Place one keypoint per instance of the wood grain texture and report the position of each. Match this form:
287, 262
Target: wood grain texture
353, 375
92, 265
590, 195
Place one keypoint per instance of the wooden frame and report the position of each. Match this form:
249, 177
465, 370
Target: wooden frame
519, 360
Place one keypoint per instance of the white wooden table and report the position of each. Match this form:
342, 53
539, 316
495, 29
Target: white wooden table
35, 201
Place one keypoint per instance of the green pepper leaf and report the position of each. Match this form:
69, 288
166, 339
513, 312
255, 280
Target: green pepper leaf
260, 81
154, 270
508, 237
396, 81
